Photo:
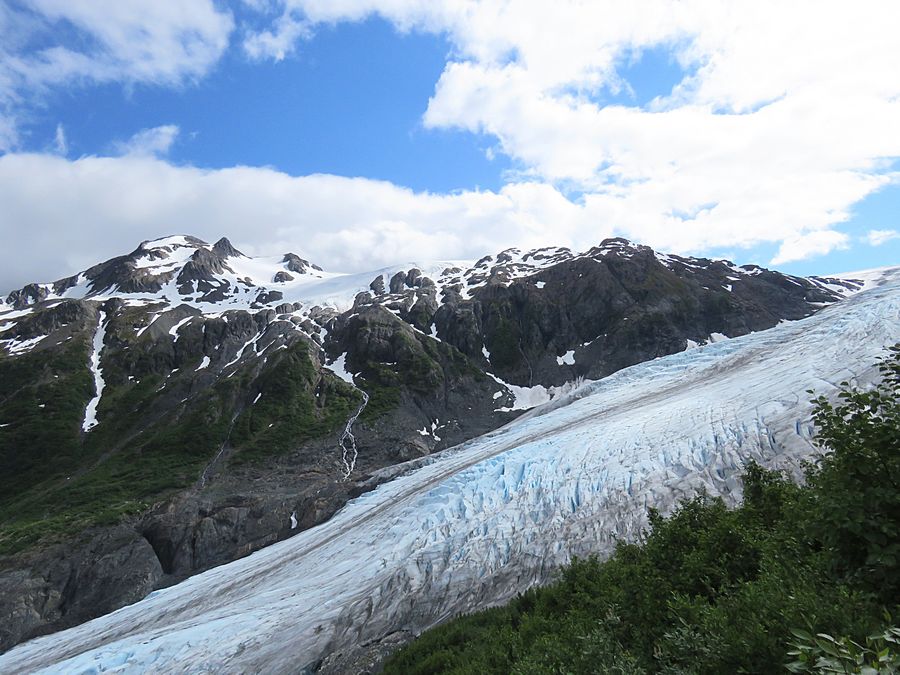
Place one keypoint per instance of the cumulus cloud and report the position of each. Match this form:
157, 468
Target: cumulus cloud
127, 41
154, 141
61, 216
778, 126
879, 237
807, 245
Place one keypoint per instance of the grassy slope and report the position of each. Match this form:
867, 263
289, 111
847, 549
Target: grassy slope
56, 481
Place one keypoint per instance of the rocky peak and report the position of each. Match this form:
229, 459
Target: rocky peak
224, 249
201, 268
295, 263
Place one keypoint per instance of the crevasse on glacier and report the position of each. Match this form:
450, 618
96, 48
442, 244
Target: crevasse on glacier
479, 522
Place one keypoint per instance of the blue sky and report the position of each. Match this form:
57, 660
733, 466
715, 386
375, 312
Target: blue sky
372, 134
349, 103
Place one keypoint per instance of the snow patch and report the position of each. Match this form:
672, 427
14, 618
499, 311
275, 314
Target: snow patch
173, 331
526, 398
90, 413
567, 359
339, 368
16, 347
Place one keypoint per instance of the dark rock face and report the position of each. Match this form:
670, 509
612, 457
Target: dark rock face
297, 264
611, 311
198, 275
29, 295
220, 432
67, 585
224, 249
282, 277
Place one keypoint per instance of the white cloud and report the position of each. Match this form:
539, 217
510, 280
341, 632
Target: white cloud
879, 237
9, 137
279, 41
801, 247
154, 141
127, 41
60, 216
780, 124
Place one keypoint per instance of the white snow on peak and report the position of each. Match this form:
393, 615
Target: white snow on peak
170, 242
90, 413
868, 278
476, 524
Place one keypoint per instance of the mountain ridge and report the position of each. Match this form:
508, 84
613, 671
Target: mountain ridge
176, 408
484, 520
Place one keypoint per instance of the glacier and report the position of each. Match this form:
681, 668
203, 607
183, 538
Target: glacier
473, 525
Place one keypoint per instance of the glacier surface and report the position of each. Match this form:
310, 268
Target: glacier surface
475, 524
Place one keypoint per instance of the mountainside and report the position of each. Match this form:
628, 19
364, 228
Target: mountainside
181, 406
475, 524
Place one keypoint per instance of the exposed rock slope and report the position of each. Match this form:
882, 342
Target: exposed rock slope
478, 523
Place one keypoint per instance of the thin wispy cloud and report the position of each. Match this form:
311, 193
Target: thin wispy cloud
154, 142
62, 146
127, 41
879, 237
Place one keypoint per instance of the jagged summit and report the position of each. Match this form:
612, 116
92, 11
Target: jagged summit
173, 269
183, 269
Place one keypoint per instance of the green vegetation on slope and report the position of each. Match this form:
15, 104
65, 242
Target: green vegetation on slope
294, 406
42, 401
716, 590
56, 481
111, 482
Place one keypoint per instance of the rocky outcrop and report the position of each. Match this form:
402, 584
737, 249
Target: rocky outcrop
60, 587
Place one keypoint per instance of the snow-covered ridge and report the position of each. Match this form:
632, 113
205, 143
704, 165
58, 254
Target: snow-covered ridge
482, 521
213, 278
